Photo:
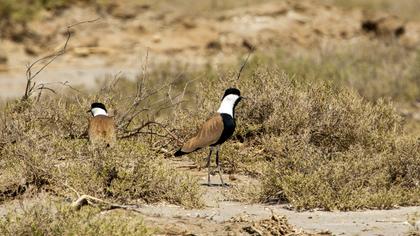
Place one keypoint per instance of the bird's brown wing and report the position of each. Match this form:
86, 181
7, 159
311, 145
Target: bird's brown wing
102, 129
209, 134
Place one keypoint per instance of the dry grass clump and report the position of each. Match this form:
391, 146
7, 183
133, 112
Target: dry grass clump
54, 218
132, 173
330, 149
44, 147
354, 179
372, 68
317, 145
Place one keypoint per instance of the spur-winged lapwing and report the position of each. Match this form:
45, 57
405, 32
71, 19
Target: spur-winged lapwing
101, 129
215, 131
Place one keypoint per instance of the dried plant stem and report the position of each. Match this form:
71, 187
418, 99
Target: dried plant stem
31, 85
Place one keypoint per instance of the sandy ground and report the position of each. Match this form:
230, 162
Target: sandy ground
13, 84
376, 222
219, 210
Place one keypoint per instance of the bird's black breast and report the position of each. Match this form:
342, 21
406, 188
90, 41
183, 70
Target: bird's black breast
228, 128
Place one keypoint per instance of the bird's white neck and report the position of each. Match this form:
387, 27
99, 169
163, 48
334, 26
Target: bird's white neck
98, 111
228, 104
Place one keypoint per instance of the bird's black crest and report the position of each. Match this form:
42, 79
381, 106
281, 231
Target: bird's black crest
98, 105
231, 91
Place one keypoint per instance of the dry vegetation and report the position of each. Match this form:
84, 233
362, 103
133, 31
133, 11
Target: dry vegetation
306, 134
44, 149
373, 68
55, 218
319, 129
316, 145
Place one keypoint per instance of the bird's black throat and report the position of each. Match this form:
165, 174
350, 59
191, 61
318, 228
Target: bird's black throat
228, 128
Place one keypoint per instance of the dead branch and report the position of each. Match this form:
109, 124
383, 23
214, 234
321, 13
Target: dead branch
116, 79
245, 62
140, 84
152, 133
139, 129
149, 101
135, 131
67, 84
90, 200
126, 118
30, 76
109, 86
130, 114
43, 86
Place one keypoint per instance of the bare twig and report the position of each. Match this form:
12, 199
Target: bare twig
169, 132
135, 131
131, 113
116, 79
30, 76
244, 64
140, 84
139, 129
149, 103
42, 87
87, 199
83, 22
72, 189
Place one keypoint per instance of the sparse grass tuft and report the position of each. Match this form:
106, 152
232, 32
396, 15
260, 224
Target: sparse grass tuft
54, 218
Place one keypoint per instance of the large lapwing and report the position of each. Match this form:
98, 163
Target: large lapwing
215, 131
101, 129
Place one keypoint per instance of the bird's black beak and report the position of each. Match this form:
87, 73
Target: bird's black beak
88, 111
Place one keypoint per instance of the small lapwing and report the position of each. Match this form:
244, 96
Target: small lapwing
215, 131
101, 129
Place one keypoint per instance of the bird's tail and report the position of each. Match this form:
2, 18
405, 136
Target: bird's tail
179, 153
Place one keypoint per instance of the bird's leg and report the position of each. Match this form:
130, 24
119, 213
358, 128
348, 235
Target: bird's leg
208, 166
218, 166
208, 159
